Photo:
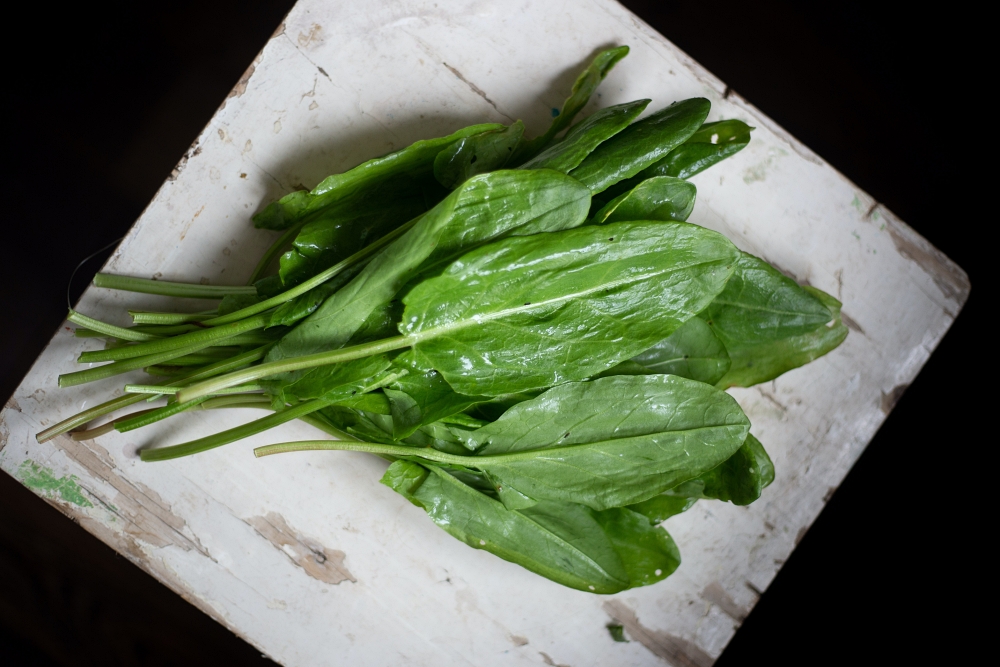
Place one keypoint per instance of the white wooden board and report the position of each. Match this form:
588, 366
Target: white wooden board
307, 556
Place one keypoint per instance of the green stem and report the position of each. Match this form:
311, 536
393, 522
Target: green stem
108, 329
166, 390
93, 413
295, 364
274, 250
145, 317
370, 447
260, 425
165, 288
141, 419
316, 280
233, 434
203, 338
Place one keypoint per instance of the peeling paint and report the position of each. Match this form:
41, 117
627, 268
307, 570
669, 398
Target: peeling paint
549, 661
44, 482
889, 400
673, 650
326, 565
718, 596
948, 276
244, 81
145, 517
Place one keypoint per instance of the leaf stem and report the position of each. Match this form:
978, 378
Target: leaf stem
146, 317
165, 288
316, 280
207, 336
166, 390
295, 364
369, 447
108, 329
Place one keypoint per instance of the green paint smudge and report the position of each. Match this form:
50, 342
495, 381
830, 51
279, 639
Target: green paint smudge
43, 481
617, 633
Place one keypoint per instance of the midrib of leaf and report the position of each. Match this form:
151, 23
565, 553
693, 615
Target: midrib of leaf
444, 329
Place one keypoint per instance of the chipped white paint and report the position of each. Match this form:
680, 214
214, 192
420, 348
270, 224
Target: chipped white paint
243, 538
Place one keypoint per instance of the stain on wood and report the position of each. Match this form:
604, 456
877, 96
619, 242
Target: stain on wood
326, 565
145, 516
718, 596
674, 650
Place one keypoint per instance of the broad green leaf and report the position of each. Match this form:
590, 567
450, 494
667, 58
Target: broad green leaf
407, 163
478, 154
712, 143
658, 198
608, 442
585, 136
692, 351
599, 552
641, 144
421, 398
531, 312
583, 88
483, 208
770, 325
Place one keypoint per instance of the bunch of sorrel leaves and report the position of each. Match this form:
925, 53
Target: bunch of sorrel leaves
526, 328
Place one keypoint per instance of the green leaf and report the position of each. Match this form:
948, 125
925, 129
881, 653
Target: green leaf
422, 398
531, 312
409, 162
477, 154
712, 143
641, 144
585, 136
692, 351
770, 325
658, 198
583, 88
609, 442
569, 544
483, 208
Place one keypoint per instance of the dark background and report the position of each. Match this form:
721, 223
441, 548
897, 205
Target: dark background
104, 101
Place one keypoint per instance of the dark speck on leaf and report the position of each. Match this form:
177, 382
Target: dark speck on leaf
612, 238
567, 434
527, 303
473, 160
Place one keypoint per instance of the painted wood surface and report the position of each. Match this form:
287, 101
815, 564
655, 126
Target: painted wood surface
307, 556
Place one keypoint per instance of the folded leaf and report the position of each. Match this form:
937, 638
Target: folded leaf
770, 325
641, 144
531, 312
410, 162
569, 544
658, 198
477, 154
712, 143
585, 136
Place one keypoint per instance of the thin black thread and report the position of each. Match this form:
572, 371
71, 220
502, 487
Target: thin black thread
69, 285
